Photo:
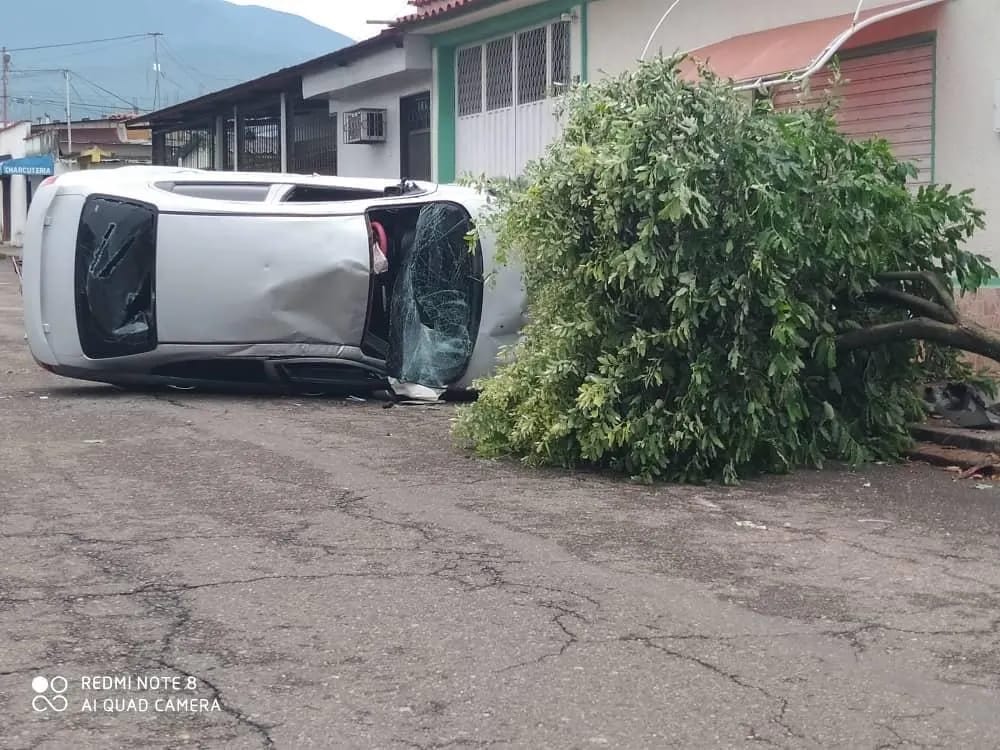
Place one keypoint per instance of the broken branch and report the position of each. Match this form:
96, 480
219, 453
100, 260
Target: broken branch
933, 281
915, 304
967, 336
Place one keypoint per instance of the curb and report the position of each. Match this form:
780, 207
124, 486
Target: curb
983, 441
945, 457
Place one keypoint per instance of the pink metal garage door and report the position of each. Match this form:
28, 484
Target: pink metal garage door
890, 95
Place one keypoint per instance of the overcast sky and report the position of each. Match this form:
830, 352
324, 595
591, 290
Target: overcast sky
346, 16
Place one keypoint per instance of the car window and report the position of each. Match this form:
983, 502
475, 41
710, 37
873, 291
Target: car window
311, 194
115, 269
221, 191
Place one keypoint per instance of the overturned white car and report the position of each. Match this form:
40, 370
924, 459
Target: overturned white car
160, 275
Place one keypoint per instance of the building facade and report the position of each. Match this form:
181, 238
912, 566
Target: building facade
499, 71
362, 111
14, 185
921, 73
381, 96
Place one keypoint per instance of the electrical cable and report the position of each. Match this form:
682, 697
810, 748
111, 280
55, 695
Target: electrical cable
77, 44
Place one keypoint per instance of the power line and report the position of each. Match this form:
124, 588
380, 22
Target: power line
104, 90
198, 75
72, 55
28, 99
42, 72
78, 44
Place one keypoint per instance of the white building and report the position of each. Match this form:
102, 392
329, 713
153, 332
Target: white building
381, 97
14, 184
361, 111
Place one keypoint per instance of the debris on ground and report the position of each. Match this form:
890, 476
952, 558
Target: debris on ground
963, 404
965, 463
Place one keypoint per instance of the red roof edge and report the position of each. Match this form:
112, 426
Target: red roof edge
434, 9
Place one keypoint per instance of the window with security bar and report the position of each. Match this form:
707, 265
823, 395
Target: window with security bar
470, 81
522, 68
531, 73
499, 73
560, 55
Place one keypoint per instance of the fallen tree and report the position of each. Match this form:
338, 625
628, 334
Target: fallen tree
939, 320
717, 289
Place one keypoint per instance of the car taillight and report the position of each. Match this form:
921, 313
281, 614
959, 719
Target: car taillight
49, 180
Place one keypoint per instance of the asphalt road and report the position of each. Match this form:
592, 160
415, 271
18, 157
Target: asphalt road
327, 574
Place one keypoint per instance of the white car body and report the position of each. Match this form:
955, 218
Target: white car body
161, 275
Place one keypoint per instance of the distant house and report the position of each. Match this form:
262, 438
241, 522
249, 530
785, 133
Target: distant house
97, 143
14, 182
360, 111
30, 152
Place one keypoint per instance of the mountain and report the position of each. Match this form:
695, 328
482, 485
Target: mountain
206, 45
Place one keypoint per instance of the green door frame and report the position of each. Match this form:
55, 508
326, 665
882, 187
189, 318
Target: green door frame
445, 45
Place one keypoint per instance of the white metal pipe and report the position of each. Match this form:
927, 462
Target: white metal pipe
656, 30
69, 116
857, 13
835, 45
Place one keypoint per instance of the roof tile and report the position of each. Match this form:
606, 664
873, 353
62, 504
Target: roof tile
434, 8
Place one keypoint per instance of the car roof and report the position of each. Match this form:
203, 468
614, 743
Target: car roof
141, 174
146, 183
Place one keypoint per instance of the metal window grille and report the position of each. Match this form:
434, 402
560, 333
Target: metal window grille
416, 113
313, 133
193, 148
500, 73
470, 81
260, 141
560, 54
364, 126
531, 72
228, 144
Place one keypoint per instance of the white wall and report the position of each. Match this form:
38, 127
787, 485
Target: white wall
967, 153
414, 55
12, 141
967, 150
377, 160
619, 29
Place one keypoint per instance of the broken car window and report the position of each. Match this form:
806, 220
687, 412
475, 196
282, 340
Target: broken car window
115, 264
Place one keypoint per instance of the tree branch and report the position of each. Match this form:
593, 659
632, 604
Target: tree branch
967, 336
914, 303
933, 281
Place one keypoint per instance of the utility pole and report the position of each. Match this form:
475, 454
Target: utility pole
6, 75
69, 118
156, 68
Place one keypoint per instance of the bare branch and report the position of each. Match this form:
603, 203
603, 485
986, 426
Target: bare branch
968, 336
914, 303
932, 280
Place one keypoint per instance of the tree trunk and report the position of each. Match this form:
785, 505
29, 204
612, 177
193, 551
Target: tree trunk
969, 337
940, 321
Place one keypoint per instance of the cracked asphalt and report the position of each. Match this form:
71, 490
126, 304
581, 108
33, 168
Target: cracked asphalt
338, 575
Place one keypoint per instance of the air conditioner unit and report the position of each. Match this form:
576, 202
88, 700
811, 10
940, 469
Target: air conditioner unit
364, 126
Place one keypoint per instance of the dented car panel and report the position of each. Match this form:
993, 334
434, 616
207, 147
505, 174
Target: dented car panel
298, 279
158, 275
